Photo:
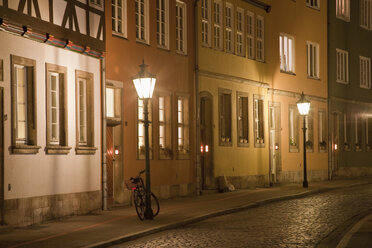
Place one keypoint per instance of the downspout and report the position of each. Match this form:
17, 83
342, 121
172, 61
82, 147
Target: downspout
197, 103
329, 108
104, 144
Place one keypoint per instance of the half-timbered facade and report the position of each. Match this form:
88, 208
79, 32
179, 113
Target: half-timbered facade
50, 58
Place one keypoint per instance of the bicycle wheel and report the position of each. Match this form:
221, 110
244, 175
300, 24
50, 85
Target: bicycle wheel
139, 203
154, 204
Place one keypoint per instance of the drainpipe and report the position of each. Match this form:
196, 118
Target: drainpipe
104, 144
197, 104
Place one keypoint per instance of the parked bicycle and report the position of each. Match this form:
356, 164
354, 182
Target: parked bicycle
139, 196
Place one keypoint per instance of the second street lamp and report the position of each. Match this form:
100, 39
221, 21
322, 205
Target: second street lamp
303, 106
145, 84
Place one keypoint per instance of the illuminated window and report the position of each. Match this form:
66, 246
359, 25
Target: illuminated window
322, 130
250, 35
162, 23
368, 126
225, 117
183, 129
205, 9
240, 31
165, 127
312, 60
181, 38
119, 17
365, 72
142, 14
141, 129
242, 119
217, 14
346, 126
286, 48
343, 9
342, 64
309, 132
365, 14
313, 3
229, 20
258, 114
260, 47
293, 128
358, 132
96, 3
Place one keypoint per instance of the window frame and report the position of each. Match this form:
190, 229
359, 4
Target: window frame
250, 35
365, 17
312, 61
314, 4
310, 131
181, 5
160, 30
205, 22
146, 28
224, 117
364, 72
259, 122
124, 21
167, 151
358, 135
346, 132
293, 126
260, 39
343, 14
322, 130
368, 130
141, 149
241, 140
229, 28
240, 34
217, 25
184, 152
288, 66
95, 4
342, 66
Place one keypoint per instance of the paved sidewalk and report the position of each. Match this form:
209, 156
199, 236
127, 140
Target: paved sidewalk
103, 228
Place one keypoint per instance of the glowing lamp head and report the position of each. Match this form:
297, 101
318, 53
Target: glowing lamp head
116, 151
144, 83
303, 105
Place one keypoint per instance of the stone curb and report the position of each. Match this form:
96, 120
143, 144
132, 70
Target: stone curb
137, 235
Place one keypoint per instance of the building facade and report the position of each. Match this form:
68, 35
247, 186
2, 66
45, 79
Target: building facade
160, 33
350, 95
50, 122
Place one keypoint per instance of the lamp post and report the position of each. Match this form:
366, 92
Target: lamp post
303, 106
145, 84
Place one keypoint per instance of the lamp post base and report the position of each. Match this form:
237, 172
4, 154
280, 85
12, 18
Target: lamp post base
305, 184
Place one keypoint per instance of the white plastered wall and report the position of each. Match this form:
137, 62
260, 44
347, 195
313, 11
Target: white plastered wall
42, 174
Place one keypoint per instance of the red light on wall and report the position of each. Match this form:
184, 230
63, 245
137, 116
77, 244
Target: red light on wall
201, 148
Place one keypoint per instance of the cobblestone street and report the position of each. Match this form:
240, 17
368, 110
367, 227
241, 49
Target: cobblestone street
301, 223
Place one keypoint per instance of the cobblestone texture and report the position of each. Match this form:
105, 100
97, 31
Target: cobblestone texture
294, 223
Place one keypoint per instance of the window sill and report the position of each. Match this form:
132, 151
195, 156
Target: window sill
259, 145
313, 7
342, 82
365, 87
310, 150
119, 35
322, 150
143, 42
25, 149
225, 143
181, 156
313, 78
366, 28
343, 18
243, 145
181, 53
293, 150
288, 72
57, 149
165, 48
85, 150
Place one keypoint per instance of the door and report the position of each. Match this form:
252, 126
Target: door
110, 165
275, 150
335, 144
1, 156
206, 143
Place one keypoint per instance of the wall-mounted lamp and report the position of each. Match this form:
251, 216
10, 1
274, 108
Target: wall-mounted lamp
335, 146
276, 147
116, 150
206, 148
201, 148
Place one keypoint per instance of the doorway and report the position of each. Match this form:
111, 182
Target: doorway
1, 156
275, 147
206, 141
335, 144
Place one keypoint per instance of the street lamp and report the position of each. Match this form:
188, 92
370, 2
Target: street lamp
145, 84
303, 106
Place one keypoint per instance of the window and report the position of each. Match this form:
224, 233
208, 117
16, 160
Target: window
313, 3
205, 9
309, 132
24, 130
162, 22
365, 14
260, 47
312, 60
165, 127
225, 117
119, 17
258, 114
84, 112
346, 132
96, 3
229, 20
217, 14
369, 133
343, 9
365, 72
56, 112
142, 20
183, 140
242, 119
293, 128
141, 129
181, 27
342, 64
322, 134
240, 32
358, 132
113, 104
250, 35
286, 48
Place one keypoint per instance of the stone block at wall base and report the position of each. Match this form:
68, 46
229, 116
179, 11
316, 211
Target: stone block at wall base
298, 176
248, 182
352, 172
33, 210
169, 191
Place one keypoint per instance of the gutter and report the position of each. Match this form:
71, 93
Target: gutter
259, 4
104, 124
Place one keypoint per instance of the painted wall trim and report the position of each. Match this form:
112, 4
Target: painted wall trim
259, 4
295, 95
333, 98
